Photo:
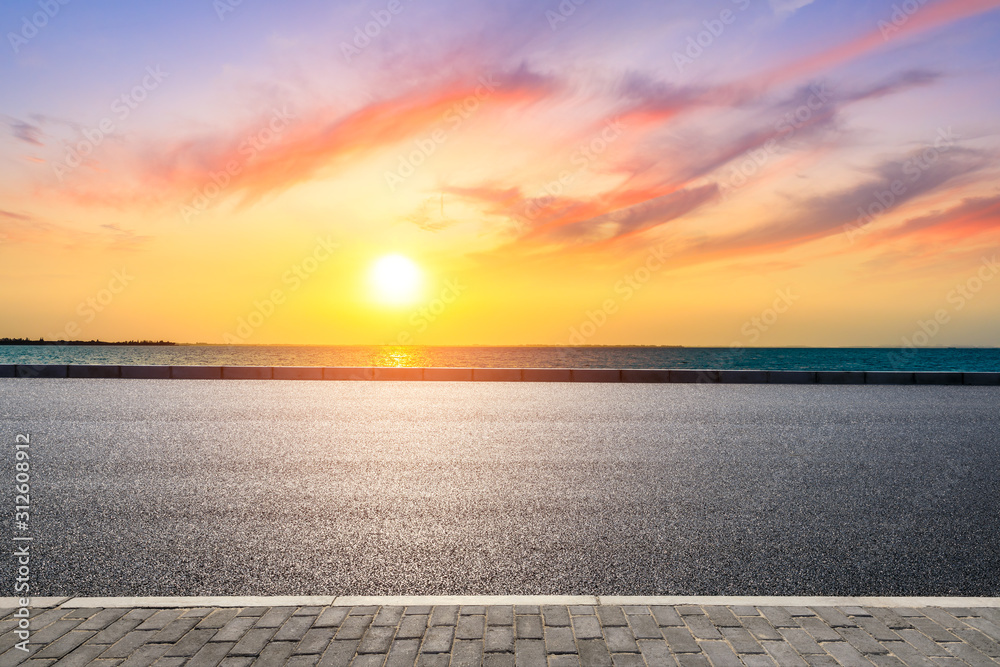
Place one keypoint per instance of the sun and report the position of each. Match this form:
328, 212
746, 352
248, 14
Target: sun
396, 280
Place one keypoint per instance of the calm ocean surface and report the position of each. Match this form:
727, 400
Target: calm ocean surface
928, 359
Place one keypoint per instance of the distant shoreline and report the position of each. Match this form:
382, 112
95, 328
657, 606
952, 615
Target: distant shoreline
42, 341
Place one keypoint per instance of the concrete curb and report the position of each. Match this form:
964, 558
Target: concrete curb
420, 600
411, 374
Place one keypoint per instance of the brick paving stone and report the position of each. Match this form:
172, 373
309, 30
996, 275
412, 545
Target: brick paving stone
760, 628
308, 611
931, 629
235, 661
275, 617
800, 611
635, 609
145, 655
530, 653
987, 627
191, 643
656, 653
581, 610
419, 610
854, 611
388, 616
412, 627
620, 640
472, 610
819, 630
907, 611
299, 661
689, 610
949, 662
587, 627
294, 628
702, 627
83, 655
253, 642
140, 613
943, 618
980, 642
834, 617
234, 630
130, 642
989, 613
115, 631
564, 660
363, 610
908, 654
889, 617
54, 631
627, 660
445, 615
353, 627
692, 660
331, 617
470, 627
499, 660
499, 615
167, 662
877, 629
778, 617
433, 659
846, 655
922, 644
555, 615
720, 654
174, 631
368, 660
666, 617
378, 639
161, 619
742, 641
499, 639
800, 640
721, 617
559, 640
644, 627
339, 653
861, 640
218, 618
970, 655
81, 613
593, 653
680, 640
744, 610
402, 653
438, 639
102, 619
887, 661
467, 653
757, 660
528, 627
65, 644
783, 654
211, 654
315, 640
611, 616
253, 611
527, 609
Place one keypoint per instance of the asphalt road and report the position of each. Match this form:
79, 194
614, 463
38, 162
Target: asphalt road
174, 487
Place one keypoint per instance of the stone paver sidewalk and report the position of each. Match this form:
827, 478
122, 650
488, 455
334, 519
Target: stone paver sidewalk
549, 635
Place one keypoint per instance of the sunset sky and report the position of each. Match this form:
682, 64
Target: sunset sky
695, 173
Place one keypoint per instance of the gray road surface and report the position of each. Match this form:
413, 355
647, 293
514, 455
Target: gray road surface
239, 487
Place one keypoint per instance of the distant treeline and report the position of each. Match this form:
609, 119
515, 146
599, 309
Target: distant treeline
42, 341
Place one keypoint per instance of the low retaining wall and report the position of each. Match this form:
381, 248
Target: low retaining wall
498, 374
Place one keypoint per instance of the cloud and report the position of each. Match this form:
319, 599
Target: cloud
786, 7
973, 216
26, 132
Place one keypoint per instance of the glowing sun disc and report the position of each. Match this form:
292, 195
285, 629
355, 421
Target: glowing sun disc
396, 279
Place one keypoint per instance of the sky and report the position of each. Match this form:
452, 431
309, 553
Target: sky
710, 173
